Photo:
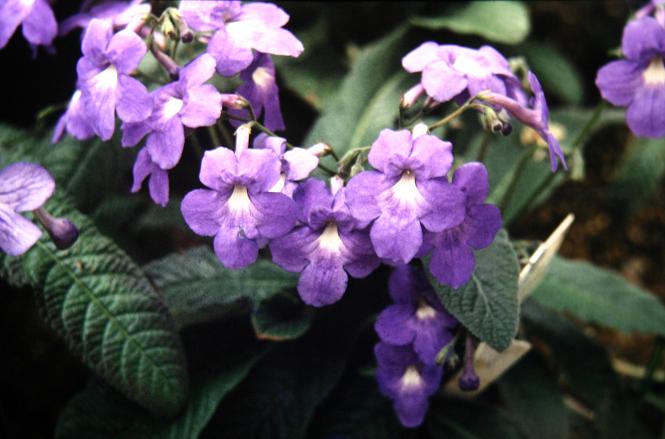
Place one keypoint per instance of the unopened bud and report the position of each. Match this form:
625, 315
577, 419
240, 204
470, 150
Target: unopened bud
419, 130
411, 96
469, 380
336, 183
320, 149
242, 137
63, 232
234, 101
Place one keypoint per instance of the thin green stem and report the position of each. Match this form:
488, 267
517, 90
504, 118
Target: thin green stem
519, 170
458, 112
214, 137
326, 169
484, 146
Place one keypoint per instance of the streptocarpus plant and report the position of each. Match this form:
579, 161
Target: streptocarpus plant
288, 229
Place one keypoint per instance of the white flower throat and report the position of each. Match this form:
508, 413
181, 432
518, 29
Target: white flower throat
411, 378
655, 73
239, 202
425, 311
405, 189
330, 239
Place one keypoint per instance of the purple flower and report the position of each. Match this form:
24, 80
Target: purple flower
238, 209
454, 72
536, 115
187, 102
39, 25
638, 82
119, 13
453, 260
23, 187
407, 191
158, 183
260, 89
326, 245
297, 163
75, 121
104, 79
407, 380
238, 29
417, 316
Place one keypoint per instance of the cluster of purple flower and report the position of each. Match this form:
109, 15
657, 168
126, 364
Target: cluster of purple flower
638, 81
239, 39
413, 330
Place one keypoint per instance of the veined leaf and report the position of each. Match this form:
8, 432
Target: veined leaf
597, 295
500, 21
103, 306
349, 119
487, 305
197, 287
281, 317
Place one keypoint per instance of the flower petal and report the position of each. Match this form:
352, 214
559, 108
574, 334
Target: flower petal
390, 143
447, 204
166, 145
291, 250
278, 213
203, 106
96, 39
452, 265
215, 164
322, 283
646, 114
435, 154
201, 210
17, 234
618, 81
13, 12
230, 57
134, 102
198, 71
443, 82
301, 163
233, 249
262, 165
421, 57
392, 325
100, 96
643, 39
361, 193
473, 180
271, 15
125, 51
396, 240
485, 222
40, 27
25, 186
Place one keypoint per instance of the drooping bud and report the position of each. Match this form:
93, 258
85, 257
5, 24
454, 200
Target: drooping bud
63, 232
320, 149
411, 96
234, 101
175, 27
469, 381
166, 61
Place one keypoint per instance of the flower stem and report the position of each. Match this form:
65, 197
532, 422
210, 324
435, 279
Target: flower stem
510, 190
458, 112
584, 133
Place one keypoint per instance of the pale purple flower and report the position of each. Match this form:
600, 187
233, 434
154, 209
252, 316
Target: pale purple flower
416, 317
75, 121
238, 29
407, 381
39, 25
104, 79
238, 209
326, 246
119, 13
158, 178
407, 192
23, 187
260, 90
453, 259
657, 7
297, 163
188, 102
455, 72
535, 114
638, 81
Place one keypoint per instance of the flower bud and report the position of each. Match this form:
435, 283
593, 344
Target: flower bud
63, 232
320, 149
469, 381
234, 101
411, 96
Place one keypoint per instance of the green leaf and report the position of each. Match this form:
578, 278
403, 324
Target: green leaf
368, 98
356, 410
487, 305
499, 21
555, 71
279, 397
600, 296
197, 288
534, 398
640, 173
281, 317
99, 413
105, 309
461, 419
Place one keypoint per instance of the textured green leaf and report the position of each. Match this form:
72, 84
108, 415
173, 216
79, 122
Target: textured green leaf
367, 99
356, 410
500, 21
600, 296
99, 413
640, 173
534, 398
197, 288
281, 317
281, 394
487, 305
555, 71
103, 306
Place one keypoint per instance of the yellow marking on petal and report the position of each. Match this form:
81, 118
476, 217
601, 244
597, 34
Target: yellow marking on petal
262, 77
172, 107
330, 239
425, 311
239, 202
655, 73
411, 378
